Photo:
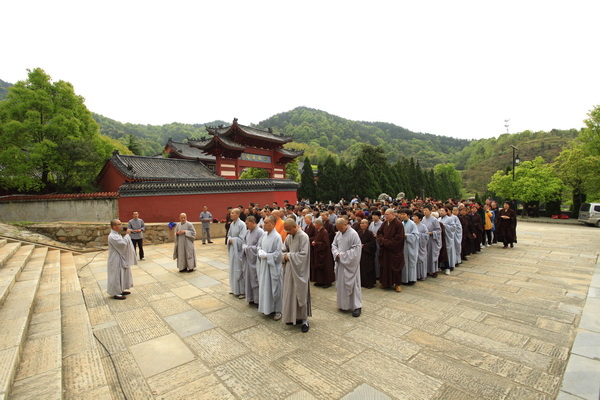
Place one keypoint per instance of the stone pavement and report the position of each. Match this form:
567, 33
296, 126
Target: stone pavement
500, 327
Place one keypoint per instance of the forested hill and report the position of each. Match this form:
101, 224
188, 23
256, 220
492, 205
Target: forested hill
482, 158
320, 134
150, 140
4, 89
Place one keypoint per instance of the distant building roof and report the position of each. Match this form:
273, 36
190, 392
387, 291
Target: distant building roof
156, 188
186, 151
150, 168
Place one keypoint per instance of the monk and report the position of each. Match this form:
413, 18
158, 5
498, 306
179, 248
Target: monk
250, 258
367, 255
184, 251
296, 288
269, 270
411, 247
321, 260
346, 249
121, 256
235, 241
391, 246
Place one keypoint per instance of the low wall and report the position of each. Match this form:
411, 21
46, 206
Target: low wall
79, 210
96, 235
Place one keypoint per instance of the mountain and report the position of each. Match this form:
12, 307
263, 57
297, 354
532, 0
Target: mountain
320, 134
4, 89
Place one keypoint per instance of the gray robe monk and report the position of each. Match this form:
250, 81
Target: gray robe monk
121, 255
270, 273
249, 261
184, 251
411, 251
348, 246
457, 239
449, 232
296, 278
434, 245
422, 257
235, 236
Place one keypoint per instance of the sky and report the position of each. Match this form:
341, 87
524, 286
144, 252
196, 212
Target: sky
452, 68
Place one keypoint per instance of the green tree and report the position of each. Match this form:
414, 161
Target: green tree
254, 173
327, 183
451, 180
308, 187
365, 184
534, 181
48, 137
291, 171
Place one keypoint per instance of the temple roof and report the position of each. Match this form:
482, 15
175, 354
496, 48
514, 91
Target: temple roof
133, 189
185, 150
150, 168
290, 153
249, 132
217, 140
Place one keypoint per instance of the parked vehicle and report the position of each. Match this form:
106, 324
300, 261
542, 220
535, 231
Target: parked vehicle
589, 213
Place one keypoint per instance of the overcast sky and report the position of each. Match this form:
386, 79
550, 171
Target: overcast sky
454, 68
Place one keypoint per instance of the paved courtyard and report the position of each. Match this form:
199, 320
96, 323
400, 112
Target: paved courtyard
500, 327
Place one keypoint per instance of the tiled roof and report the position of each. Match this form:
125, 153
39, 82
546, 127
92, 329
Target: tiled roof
191, 152
290, 153
133, 189
249, 131
69, 196
151, 168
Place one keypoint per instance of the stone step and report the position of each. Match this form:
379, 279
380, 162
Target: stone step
12, 268
83, 373
16, 311
40, 372
3, 241
7, 250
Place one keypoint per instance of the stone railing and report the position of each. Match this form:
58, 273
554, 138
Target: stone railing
89, 234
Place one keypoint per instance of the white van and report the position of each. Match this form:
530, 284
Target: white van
590, 213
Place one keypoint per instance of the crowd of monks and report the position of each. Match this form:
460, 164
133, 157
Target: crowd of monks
276, 252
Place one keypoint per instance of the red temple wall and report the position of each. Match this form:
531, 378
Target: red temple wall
111, 179
167, 208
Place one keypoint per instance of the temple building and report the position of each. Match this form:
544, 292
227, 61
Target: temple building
201, 172
233, 148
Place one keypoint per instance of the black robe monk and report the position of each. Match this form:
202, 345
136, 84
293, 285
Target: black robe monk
390, 237
367, 258
468, 231
330, 229
321, 265
506, 227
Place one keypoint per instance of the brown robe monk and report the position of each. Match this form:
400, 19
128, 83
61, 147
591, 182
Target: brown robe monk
391, 252
321, 265
367, 258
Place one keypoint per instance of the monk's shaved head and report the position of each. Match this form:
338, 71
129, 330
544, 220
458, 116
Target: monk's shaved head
289, 223
341, 222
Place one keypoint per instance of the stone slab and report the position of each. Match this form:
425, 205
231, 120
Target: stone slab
160, 354
590, 320
364, 392
582, 377
203, 281
189, 323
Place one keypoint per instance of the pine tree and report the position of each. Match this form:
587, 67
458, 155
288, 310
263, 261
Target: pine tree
308, 187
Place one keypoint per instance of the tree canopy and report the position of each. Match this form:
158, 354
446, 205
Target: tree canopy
48, 138
535, 181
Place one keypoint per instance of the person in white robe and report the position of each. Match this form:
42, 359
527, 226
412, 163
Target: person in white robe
457, 236
296, 276
270, 271
449, 233
235, 241
435, 241
184, 251
121, 256
250, 259
346, 249
411, 247
423, 244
